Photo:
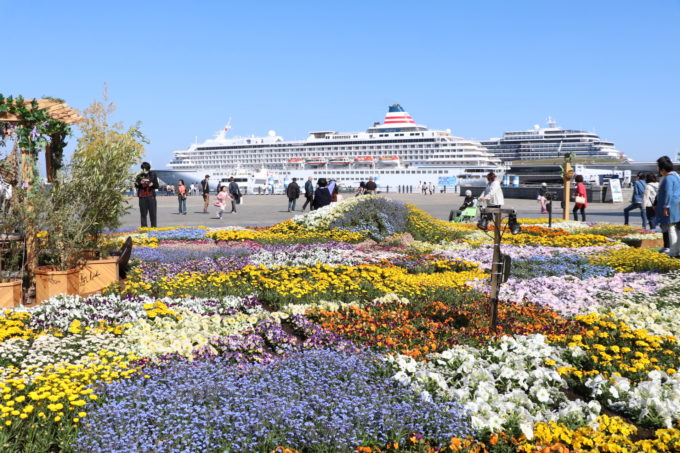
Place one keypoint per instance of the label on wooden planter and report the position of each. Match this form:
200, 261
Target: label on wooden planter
97, 275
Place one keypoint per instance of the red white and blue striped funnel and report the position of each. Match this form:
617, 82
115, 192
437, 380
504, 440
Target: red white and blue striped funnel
397, 115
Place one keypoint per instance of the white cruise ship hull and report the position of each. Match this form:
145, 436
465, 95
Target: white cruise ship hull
397, 152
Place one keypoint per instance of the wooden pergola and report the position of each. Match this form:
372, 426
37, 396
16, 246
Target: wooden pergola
59, 111
56, 109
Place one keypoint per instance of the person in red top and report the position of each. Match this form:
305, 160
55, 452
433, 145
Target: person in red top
580, 192
182, 197
146, 184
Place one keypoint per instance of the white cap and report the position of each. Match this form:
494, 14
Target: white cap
468, 193
544, 184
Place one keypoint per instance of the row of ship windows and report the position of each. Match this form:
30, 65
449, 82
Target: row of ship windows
270, 159
544, 145
277, 165
321, 152
382, 172
312, 144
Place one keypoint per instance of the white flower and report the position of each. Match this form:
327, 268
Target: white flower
543, 395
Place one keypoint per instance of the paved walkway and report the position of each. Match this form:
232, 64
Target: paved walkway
266, 210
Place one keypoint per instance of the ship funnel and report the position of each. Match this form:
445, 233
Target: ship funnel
398, 116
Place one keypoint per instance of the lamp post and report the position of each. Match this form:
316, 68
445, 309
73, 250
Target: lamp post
500, 263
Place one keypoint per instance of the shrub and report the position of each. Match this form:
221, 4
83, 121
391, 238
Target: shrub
424, 227
378, 217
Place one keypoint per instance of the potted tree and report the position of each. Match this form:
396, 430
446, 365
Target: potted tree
64, 238
103, 165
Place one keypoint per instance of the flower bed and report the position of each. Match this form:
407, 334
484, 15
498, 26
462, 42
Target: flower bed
305, 337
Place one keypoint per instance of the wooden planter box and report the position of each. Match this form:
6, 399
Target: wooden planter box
49, 283
646, 243
10, 294
97, 275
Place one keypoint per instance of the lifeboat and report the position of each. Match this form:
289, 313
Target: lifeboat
339, 161
363, 160
316, 161
295, 160
389, 160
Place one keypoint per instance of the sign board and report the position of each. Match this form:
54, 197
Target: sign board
614, 194
448, 181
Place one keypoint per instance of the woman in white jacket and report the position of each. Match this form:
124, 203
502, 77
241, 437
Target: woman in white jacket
493, 194
649, 197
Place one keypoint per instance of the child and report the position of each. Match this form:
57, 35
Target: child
221, 202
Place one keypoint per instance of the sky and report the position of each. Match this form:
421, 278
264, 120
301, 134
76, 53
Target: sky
478, 68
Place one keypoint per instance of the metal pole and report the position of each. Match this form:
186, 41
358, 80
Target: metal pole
496, 268
568, 173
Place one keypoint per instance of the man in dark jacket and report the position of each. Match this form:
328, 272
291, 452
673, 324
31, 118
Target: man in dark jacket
309, 194
235, 193
371, 186
322, 196
146, 184
293, 193
205, 191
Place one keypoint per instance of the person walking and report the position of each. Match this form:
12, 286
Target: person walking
333, 189
221, 202
234, 193
146, 184
322, 197
668, 204
649, 199
182, 197
371, 186
580, 198
205, 191
636, 202
293, 193
493, 193
542, 191
309, 194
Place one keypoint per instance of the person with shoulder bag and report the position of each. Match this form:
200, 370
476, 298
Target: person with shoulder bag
182, 197
580, 198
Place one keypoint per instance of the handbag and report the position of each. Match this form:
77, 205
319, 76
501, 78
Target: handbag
580, 200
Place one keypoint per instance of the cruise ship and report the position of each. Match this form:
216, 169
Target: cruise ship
396, 152
551, 142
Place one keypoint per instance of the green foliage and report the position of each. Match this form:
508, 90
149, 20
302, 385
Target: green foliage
11, 252
35, 127
101, 167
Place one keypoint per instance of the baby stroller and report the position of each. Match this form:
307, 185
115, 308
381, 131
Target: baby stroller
468, 214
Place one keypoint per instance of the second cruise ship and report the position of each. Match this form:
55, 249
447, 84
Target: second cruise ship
551, 142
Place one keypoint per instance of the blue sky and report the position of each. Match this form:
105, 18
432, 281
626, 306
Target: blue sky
476, 67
